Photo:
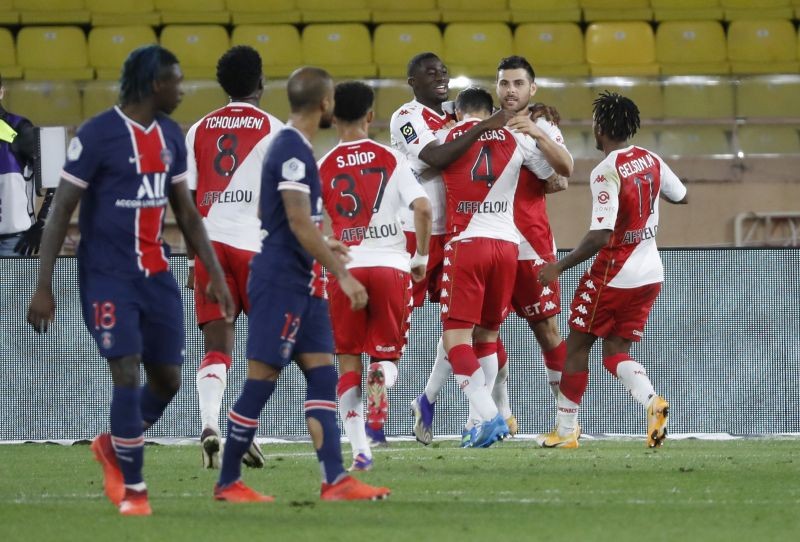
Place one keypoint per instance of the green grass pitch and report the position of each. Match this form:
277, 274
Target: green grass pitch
606, 490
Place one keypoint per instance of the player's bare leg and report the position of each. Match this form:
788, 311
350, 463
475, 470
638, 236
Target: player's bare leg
617, 360
351, 410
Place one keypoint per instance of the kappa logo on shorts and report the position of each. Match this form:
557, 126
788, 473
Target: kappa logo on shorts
409, 134
579, 322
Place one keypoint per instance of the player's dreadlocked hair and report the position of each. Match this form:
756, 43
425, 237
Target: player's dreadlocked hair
352, 100
239, 71
616, 115
417, 60
143, 66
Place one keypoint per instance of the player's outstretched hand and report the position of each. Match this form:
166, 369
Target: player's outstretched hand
355, 291
42, 310
549, 113
339, 248
217, 292
549, 273
524, 125
190, 279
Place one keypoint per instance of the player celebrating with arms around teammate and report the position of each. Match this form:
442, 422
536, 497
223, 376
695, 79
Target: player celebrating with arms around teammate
288, 317
124, 165
538, 305
480, 259
226, 150
365, 186
614, 297
413, 132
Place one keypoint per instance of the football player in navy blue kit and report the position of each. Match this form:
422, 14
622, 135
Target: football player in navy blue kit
288, 318
124, 166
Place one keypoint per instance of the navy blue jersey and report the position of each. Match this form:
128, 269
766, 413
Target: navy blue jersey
127, 170
289, 165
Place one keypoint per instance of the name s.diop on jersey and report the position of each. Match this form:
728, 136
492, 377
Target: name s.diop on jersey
355, 159
635, 166
234, 123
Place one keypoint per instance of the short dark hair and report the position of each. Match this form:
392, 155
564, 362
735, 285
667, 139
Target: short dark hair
143, 66
417, 60
239, 71
352, 100
516, 62
616, 115
474, 100
307, 87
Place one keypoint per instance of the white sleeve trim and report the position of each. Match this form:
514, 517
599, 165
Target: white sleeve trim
181, 177
77, 181
292, 185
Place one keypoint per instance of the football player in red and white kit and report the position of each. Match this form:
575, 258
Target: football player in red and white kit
365, 187
614, 297
538, 305
413, 132
226, 149
480, 258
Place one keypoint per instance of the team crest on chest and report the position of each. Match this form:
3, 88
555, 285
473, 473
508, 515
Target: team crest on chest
166, 157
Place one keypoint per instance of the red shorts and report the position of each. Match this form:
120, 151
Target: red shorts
605, 311
477, 281
235, 264
380, 329
530, 299
432, 283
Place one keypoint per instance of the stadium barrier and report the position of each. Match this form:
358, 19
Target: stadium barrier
722, 345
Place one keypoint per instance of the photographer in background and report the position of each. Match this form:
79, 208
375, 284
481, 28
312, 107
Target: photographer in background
20, 229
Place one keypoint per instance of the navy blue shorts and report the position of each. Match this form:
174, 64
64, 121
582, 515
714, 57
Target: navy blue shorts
284, 323
134, 316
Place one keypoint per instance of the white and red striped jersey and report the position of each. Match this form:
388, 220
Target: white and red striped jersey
625, 189
365, 187
225, 154
413, 127
530, 208
481, 185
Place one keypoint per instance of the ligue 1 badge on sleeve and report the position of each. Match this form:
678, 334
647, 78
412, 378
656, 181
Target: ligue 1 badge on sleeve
166, 157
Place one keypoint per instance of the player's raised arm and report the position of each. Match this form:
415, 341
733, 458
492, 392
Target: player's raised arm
42, 307
556, 155
298, 214
191, 226
442, 155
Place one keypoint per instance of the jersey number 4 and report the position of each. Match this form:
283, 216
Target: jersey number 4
346, 184
482, 168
